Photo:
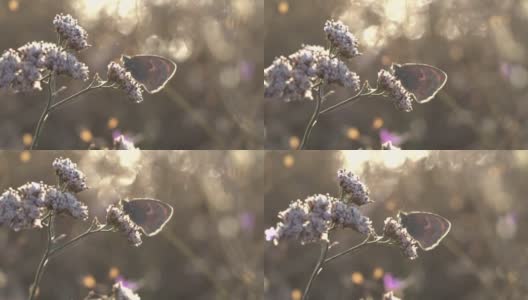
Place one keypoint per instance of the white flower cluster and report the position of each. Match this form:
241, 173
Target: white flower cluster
121, 221
341, 38
399, 235
69, 175
310, 220
25, 207
119, 75
401, 97
390, 296
123, 143
70, 32
23, 69
353, 189
294, 78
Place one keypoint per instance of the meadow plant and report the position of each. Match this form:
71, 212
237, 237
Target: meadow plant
37, 65
36, 205
308, 73
313, 219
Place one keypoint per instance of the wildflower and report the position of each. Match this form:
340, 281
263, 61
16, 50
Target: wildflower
390, 296
119, 75
310, 220
401, 97
17, 213
121, 221
353, 189
65, 202
123, 143
276, 76
399, 235
69, 175
9, 64
120, 292
70, 32
389, 146
341, 39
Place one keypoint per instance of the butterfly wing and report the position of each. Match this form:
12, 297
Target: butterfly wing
427, 229
149, 214
152, 71
424, 81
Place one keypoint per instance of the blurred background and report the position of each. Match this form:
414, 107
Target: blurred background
211, 249
212, 102
482, 45
482, 193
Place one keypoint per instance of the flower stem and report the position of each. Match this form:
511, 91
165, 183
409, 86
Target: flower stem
317, 270
367, 241
90, 87
77, 238
313, 119
44, 261
355, 98
45, 112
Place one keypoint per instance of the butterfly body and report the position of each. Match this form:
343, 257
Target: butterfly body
426, 228
151, 71
150, 215
423, 81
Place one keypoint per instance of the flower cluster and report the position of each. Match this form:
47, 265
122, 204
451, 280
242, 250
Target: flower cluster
23, 69
295, 77
311, 220
121, 221
401, 97
353, 189
70, 32
390, 296
124, 80
394, 231
389, 146
119, 292
25, 207
121, 142
69, 175
341, 38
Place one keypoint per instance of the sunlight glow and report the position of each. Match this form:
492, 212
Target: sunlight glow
355, 160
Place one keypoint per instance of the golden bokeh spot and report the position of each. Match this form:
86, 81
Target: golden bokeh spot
296, 294
353, 133
378, 273
377, 123
13, 5
288, 161
390, 205
89, 282
27, 139
113, 273
25, 156
357, 278
513, 277
86, 135
113, 123
294, 142
283, 7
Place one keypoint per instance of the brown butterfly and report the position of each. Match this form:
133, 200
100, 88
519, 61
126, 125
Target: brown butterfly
150, 215
423, 81
426, 228
153, 72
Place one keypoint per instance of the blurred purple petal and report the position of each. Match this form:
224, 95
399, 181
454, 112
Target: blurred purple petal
271, 234
387, 136
134, 286
392, 283
247, 221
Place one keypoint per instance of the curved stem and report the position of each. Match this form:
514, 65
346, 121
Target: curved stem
44, 261
45, 112
75, 239
313, 119
355, 98
367, 241
316, 271
70, 98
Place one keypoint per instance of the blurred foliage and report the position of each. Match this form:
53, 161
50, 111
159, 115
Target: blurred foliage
481, 193
211, 248
213, 101
482, 46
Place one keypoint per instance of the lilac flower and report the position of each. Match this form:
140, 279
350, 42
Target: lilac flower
124, 80
65, 202
9, 64
69, 175
121, 292
392, 283
387, 136
17, 213
394, 231
353, 189
75, 36
401, 97
276, 77
341, 39
310, 220
121, 142
121, 221
390, 296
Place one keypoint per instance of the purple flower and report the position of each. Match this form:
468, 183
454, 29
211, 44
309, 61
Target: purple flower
392, 283
271, 234
341, 39
70, 32
124, 80
387, 136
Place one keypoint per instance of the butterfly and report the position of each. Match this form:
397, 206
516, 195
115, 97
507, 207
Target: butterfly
423, 81
426, 228
150, 215
153, 72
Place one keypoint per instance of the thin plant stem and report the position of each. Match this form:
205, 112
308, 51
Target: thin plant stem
353, 99
90, 87
313, 119
45, 112
77, 238
367, 241
44, 261
317, 270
